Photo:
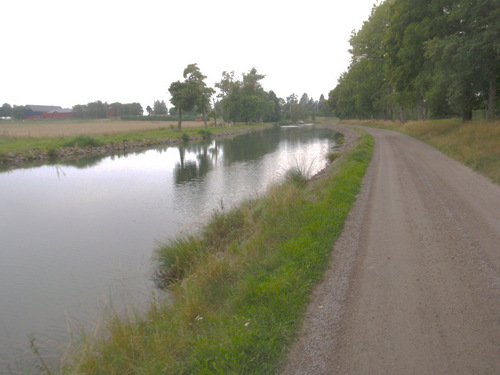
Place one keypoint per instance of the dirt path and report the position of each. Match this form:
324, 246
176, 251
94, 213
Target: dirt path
414, 286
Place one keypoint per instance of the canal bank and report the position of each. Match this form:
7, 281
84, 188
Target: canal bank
22, 152
240, 286
75, 233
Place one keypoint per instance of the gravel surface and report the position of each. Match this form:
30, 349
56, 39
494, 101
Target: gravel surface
414, 282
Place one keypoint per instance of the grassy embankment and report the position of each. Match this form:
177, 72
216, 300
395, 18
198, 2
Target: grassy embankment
240, 286
25, 137
475, 143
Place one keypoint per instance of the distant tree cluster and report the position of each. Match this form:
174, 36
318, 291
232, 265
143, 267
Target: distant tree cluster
239, 100
159, 108
8, 111
425, 58
98, 109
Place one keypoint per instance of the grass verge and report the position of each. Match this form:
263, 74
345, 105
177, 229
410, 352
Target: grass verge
239, 287
474, 143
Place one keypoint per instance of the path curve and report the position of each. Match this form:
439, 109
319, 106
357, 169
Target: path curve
414, 286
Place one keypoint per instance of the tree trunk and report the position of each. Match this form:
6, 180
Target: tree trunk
204, 115
420, 108
492, 95
402, 115
466, 114
180, 119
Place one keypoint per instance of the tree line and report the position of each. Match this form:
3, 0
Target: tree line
98, 109
424, 59
239, 99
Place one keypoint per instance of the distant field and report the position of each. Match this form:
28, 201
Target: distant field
43, 129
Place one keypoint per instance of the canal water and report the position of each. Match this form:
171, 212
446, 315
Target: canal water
78, 237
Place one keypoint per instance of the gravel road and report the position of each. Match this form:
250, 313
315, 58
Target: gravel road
414, 283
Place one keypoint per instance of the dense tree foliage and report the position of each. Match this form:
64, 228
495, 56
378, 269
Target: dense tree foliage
422, 58
98, 109
6, 110
159, 108
192, 93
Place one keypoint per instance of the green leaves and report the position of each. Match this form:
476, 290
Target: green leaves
416, 54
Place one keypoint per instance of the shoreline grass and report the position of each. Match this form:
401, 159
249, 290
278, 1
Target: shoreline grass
25, 146
474, 143
240, 286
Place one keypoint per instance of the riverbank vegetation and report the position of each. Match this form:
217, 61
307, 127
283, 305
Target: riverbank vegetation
113, 134
473, 143
239, 288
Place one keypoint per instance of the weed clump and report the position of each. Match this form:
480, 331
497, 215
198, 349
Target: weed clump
83, 141
332, 156
205, 133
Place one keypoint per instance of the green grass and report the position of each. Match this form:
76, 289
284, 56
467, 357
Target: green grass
239, 287
473, 143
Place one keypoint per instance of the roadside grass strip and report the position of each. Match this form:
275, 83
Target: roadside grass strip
239, 288
475, 143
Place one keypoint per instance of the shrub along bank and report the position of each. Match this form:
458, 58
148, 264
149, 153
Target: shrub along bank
239, 288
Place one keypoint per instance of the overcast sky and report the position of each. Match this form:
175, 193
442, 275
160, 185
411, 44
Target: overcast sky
67, 52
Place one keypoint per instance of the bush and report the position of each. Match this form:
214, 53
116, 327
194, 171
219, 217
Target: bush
205, 133
185, 117
332, 156
83, 141
52, 153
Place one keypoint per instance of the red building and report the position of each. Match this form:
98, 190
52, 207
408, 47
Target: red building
39, 112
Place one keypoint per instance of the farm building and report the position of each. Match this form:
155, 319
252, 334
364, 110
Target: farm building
38, 112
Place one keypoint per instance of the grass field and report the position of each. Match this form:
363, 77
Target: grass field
50, 129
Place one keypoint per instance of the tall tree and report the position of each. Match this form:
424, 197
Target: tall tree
189, 93
362, 91
469, 53
197, 87
181, 98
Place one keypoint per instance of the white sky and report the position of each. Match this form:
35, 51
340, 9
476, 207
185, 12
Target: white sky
67, 52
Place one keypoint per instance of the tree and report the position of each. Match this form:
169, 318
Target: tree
362, 90
274, 114
181, 99
6, 110
198, 88
133, 109
149, 110
18, 111
160, 108
79, 111
97, 110
468, 53
229, 93
191, 93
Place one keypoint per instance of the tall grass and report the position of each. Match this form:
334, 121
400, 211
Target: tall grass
239, 287
474, 143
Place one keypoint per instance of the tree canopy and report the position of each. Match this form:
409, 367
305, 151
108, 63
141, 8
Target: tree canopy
431, 58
